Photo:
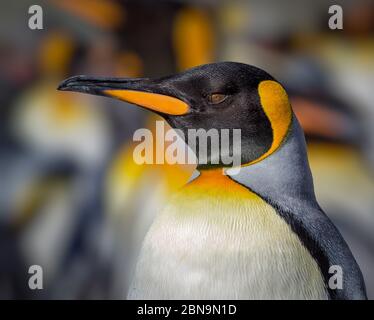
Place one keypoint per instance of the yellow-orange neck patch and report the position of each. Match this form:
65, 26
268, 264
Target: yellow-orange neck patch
213, 182
153, 101
275, 103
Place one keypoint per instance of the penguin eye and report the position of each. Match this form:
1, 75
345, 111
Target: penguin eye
216, 98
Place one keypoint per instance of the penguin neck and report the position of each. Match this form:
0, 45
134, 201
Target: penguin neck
282, 176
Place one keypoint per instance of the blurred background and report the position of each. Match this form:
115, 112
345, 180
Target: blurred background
71, 198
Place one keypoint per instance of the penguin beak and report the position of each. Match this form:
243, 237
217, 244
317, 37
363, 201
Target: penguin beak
143, 92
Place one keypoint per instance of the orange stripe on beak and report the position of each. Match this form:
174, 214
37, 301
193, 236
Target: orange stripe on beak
153, 101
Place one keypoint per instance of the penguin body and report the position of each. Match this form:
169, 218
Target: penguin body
285, 182
278, 240
227, 243
256, 233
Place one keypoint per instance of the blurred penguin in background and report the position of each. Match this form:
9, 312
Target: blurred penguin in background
67, 141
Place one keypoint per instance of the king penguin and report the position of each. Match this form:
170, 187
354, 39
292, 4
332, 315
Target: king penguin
253, 233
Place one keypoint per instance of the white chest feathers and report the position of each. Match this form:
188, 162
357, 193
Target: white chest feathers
217, 240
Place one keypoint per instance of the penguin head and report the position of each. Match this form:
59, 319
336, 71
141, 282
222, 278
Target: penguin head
224, 95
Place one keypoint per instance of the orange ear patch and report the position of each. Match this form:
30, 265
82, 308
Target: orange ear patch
153, 101
275, 103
